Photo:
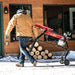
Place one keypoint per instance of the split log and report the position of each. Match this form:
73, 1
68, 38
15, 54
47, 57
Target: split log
46, 51
27, 49
34, 50
40, 48
49, 54
37, 53
35, 56
39, 57
45, 57
36, 44
31, 53
42, 53
53, 57
30, 45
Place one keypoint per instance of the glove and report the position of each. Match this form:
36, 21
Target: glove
6, 37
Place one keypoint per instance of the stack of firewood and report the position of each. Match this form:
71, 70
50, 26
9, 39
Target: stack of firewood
39, 53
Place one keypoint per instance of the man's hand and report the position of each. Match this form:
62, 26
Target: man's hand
6, 37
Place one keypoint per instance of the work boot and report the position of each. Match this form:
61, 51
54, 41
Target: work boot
19, 65
35, 62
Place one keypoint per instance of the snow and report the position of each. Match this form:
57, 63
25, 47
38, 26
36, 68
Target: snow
70, 56
9, 59
9, 68
44, 67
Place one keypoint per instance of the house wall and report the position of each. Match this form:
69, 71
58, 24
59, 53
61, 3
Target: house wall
37, 16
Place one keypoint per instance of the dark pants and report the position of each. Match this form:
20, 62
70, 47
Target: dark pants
23, 41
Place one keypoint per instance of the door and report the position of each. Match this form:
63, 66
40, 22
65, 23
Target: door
1, 31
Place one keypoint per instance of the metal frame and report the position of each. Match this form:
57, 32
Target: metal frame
66, 48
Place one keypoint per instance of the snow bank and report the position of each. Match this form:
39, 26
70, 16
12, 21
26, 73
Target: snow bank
71, 55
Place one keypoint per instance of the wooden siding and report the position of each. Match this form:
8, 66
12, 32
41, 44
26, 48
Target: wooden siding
37, 8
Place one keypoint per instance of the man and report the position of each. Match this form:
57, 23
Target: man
25, 30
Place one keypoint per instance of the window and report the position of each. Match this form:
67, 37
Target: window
59, 17
72, 19
13, 8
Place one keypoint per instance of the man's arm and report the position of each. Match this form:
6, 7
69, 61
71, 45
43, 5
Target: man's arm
11, 25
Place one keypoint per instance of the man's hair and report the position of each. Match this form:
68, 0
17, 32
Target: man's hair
21, 11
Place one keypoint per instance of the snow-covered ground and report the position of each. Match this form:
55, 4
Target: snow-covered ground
70, 56
44, 67
9, 68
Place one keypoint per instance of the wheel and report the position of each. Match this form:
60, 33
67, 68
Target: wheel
66, 62
62, 61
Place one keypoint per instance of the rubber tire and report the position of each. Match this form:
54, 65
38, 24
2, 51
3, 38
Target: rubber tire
62, 61
66, 62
